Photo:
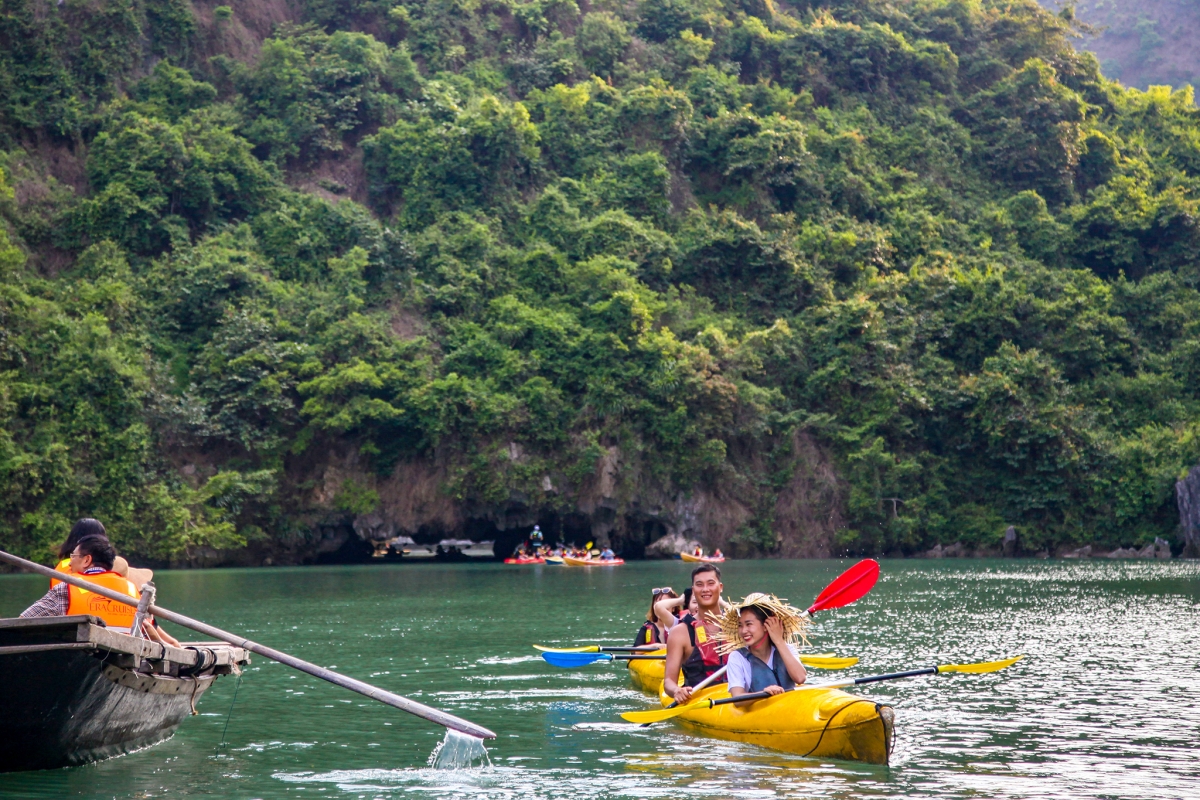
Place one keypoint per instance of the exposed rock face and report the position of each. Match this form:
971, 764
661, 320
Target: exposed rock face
671, 545
1082, 552
1012, 543
1159, 549
955, 550
1187, 496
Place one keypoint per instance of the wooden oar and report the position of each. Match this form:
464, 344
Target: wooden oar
366, 689
575, 660
646, 717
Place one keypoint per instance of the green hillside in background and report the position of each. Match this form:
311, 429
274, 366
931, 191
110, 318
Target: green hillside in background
849, 277
1141, 44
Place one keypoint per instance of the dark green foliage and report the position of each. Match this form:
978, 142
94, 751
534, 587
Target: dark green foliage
675, 236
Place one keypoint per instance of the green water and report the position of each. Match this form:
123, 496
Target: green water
1104, 706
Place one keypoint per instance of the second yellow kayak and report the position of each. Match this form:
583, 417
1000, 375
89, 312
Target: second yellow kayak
648, 675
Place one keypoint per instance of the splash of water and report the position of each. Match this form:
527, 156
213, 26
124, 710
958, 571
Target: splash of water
459, 751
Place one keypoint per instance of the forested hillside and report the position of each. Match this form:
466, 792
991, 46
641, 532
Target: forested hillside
1141, 43
852, 277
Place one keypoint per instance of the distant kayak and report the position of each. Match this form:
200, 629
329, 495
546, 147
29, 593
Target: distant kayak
704, 559
556, 561
525, 560
592, 562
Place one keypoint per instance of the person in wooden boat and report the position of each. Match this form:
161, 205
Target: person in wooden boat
757, 636
92, 559
85, 528
654, 630
692, 647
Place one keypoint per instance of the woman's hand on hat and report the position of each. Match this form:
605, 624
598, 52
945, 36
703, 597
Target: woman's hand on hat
774, 628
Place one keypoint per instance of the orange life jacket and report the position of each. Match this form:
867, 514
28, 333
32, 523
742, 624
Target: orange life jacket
62, 566
115, 614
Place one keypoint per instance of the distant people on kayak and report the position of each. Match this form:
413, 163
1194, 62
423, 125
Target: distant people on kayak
692, 646
757, 635
718, 554
698, 552
536, 539
654, 630
607, 554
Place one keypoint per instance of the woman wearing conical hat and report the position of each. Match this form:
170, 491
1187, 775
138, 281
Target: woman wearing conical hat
757, 635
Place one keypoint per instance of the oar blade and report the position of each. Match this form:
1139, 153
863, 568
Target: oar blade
591, 648
851, 585
830, 662
985, 666
661, 715
574, 660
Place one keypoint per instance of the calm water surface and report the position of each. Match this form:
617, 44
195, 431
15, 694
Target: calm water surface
1105, 705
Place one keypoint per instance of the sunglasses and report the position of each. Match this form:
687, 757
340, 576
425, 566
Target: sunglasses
663, 590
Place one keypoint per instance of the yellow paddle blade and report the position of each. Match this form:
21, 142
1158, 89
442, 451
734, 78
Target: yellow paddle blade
817, 655
591, 648
831, 662
662, 714
986, 666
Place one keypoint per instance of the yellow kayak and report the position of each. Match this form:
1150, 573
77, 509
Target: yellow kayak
702, 559
648, 675
822, 723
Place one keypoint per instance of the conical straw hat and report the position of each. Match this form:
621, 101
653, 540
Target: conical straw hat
795, 623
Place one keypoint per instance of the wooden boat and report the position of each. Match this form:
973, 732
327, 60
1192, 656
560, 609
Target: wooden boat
72, 692
823, 723
556, 561
702, 559
571, 561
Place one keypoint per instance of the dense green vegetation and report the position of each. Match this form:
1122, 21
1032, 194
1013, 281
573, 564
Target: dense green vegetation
930, 235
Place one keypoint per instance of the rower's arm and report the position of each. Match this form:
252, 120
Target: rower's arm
678, 642
663, 609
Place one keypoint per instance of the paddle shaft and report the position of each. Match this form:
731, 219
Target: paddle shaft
912, 673
365, 689
710, 679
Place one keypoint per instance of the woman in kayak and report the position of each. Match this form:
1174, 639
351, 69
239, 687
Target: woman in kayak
654, 630
757, 635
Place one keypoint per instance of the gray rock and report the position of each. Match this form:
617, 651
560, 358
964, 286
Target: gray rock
1082, 552
671, 545
1162, 548
1012, 543
1187, 498
1126, 552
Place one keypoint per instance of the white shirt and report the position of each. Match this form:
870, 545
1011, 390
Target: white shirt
739, 672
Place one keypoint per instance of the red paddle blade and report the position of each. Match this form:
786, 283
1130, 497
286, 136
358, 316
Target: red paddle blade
847, 587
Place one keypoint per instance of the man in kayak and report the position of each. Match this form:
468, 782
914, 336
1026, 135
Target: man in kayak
757, 635
692, 647
607, 554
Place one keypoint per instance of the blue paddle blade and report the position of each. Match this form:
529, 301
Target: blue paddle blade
571, 660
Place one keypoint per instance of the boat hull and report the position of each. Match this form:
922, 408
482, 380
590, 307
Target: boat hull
647, 676
820, 723
701, 559
72, 692
524, 561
